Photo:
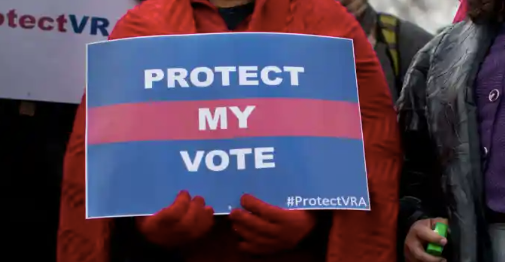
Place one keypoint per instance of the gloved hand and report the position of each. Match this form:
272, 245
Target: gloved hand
267, 229
184, 221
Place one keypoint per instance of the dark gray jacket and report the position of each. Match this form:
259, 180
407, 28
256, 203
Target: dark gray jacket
411, 38
438, 119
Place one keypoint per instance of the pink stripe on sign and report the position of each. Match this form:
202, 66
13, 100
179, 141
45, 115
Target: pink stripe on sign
271, 117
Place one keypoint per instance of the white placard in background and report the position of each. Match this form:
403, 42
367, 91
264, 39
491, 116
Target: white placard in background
43, 43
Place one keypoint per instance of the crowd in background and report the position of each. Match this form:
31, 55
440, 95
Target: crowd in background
446, 128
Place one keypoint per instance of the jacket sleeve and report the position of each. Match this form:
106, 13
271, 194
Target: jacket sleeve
361, 236
411, 39
420, 186
81, 239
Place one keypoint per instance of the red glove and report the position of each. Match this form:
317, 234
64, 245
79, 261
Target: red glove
268, 229
184, 221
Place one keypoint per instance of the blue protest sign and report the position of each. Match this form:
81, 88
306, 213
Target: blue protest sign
220, 115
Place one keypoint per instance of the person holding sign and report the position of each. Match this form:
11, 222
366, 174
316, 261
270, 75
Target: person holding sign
187, 229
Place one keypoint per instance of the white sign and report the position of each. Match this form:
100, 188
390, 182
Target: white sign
43, 45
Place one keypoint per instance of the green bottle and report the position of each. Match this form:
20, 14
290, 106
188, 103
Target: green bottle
436, 249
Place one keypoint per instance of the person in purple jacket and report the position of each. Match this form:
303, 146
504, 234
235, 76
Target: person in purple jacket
452, 119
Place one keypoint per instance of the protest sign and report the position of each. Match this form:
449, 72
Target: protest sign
220, 115
43, 45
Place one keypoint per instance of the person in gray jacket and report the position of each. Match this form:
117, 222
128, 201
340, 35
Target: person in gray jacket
395, 41
452, 121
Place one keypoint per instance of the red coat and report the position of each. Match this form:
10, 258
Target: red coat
355, 236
